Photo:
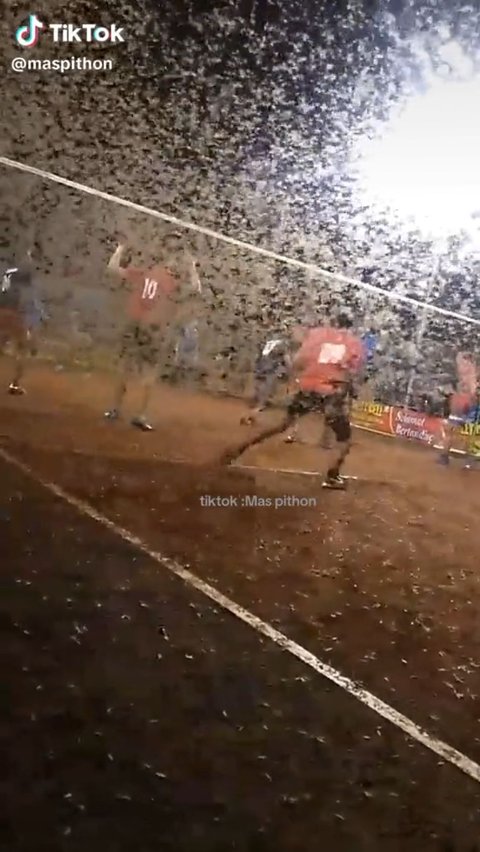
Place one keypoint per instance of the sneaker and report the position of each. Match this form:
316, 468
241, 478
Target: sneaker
142, 424
336, 483
15, 390
228, 457
443, 460
113, 414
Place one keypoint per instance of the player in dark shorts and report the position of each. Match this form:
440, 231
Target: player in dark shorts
459, 403
21, 312
457, 407
327, 436
140, 345
271, 368
326, 363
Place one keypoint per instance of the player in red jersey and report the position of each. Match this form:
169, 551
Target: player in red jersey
458, 405
157, 294
327, 365
327, 438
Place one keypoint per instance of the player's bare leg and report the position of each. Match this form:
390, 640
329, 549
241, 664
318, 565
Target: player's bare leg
326, 441
234, 454
469, 459
328, 437
13, 333
250, 419
22, 347
334, 478
124, 371
115, 411
255, 408
292, 432
448, 432
264, 389
20, 358
465, 441
4, 341
259, 401
468, 447
148, 380
337, 419
473, 444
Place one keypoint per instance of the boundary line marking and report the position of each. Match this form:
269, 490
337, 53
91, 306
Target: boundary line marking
378, 483
446, 752
200, 229
291, 470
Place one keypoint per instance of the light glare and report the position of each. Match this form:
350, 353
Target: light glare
426, 166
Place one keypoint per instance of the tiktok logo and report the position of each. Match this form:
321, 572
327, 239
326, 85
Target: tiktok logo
28, 35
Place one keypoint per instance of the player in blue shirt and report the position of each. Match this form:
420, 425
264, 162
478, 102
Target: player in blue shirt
21, 312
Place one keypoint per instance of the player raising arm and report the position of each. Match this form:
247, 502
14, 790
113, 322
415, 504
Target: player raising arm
159, 294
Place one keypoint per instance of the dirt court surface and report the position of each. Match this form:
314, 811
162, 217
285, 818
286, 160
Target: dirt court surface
141, 716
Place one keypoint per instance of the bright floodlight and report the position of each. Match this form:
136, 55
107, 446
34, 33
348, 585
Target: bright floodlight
425, 167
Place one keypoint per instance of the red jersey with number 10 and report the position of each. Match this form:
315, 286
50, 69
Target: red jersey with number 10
151, 300
328, 357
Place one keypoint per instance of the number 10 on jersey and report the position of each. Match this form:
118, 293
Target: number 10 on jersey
150, 288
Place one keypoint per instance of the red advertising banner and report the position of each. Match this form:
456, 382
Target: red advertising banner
415, 426
404, 423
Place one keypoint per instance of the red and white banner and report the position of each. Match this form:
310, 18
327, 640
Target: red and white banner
404, 423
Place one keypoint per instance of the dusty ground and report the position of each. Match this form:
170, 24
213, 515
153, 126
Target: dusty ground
382, 582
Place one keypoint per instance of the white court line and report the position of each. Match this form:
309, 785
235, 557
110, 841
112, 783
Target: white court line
290, 470
208, 232
274, 469
443, 750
